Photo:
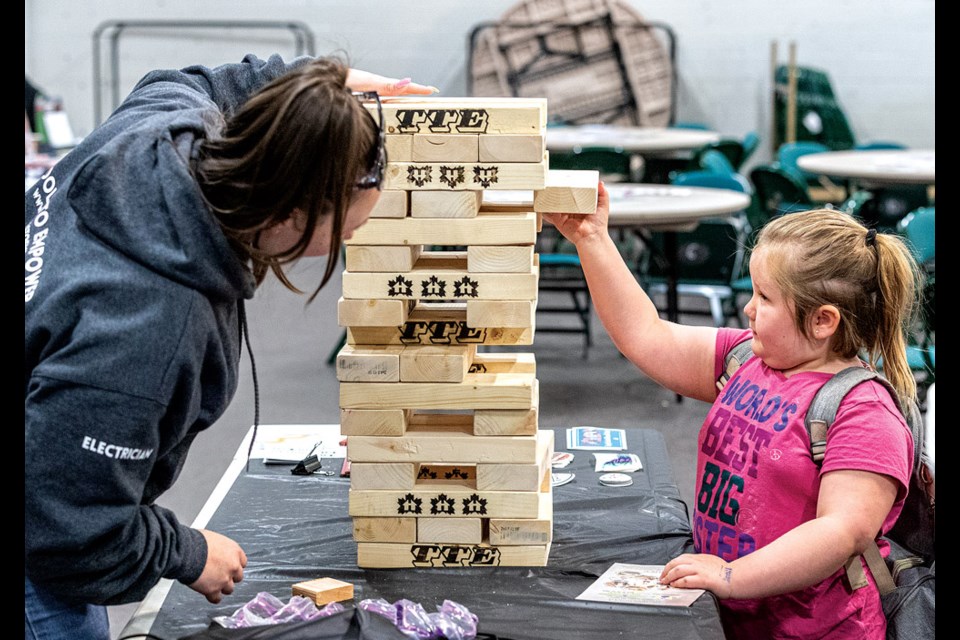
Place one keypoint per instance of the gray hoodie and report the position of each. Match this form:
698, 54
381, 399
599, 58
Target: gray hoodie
132, 343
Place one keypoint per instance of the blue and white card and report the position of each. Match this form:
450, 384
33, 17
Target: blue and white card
596, 439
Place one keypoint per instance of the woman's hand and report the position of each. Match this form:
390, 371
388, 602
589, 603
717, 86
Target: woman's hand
579, 227
224, 567
700, 571
366, 81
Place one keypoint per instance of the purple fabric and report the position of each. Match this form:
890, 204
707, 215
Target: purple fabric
453, 621
268, 609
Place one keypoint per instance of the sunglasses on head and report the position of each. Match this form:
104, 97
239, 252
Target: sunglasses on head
373, 178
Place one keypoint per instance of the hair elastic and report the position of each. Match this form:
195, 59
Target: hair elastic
871, 238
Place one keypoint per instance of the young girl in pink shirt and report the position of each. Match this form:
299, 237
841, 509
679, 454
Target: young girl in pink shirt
772, 530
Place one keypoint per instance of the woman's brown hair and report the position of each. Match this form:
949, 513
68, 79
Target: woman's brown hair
301, 142
827, 257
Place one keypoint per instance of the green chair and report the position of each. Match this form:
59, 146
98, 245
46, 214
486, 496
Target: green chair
709, 258
750, 143
919, 229
778, 192
613, 163
736, 151
789, 152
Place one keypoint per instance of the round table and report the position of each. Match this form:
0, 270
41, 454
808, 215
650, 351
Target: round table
642, 140
878, 167
668, 208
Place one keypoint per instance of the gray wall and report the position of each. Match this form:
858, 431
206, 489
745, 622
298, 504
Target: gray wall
879, 53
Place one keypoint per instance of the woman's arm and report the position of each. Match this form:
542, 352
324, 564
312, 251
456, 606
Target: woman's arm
851, 508
681, 358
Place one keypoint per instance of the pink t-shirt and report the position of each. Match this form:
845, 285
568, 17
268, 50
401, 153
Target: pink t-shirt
757, 480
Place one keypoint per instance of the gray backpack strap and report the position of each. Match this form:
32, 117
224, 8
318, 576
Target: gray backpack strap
820, 415
823, 409
734, 358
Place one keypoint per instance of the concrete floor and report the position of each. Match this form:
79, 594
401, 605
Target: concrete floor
291, 342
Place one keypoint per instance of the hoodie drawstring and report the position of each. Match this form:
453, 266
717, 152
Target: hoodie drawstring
245, 336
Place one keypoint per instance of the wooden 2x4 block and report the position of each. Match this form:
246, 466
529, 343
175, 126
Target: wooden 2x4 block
385, 529
382, 258
568, 192
432, 554
500, 259
494, 229
390, 204
470, 176
395, 422
445, 204
373, 313
477, 391
511, 148
524, 531
409, 115
446, 147
442, 502
433, 281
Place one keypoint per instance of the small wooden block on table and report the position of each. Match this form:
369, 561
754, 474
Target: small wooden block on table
324, 590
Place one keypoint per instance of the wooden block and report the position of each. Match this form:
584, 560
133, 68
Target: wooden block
436, 363
504, 363
443, 323
445, 204
463, 115
500, 202
440, 280
511, 148
503, 313
374, 422
369, 363
324, 590
441, 421
500, 229
539, 222
443, 502
521, 531
382, 475
505, 422
469, 176
458, 475
385, 529
568, 192
453, 444
373, 313
399, 148
391, 204
455, 530
477, 391
499, 259
446, 147
382, 258
430, 554
517, 477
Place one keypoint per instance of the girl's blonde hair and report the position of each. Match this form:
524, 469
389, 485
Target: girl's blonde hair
826, 257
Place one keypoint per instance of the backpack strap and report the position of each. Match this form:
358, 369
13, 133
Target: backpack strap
820, 415
732, 361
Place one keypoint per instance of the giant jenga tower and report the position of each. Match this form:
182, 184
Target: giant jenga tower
448, 467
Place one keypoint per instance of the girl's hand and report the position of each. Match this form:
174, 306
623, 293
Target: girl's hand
365, 81
577, 228
700, 571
